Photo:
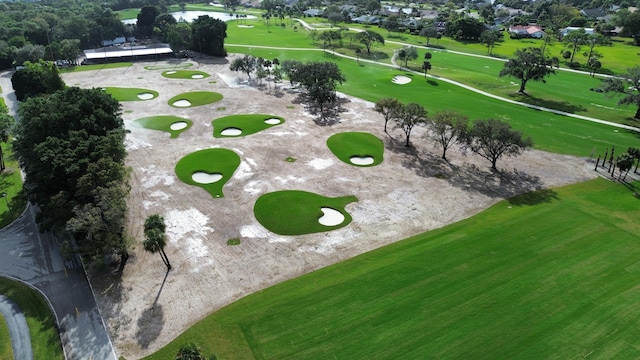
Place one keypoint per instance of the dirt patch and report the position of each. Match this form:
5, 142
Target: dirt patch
410, 192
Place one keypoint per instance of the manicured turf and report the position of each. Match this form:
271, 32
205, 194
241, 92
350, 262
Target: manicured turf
164, 123
292, 212
130, 94
5, 341
210, 161
550, 132
185, 74
14, 203
96, 67
168, 67
45, 340
196, 98
553, 274
356, 144
247, 123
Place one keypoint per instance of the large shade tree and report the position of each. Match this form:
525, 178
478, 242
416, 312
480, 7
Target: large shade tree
492, 139
36, 79
208, 35
71, 149
388, 107
368, 38
408, 117
627, 87
320, 80
529, 64
447, 128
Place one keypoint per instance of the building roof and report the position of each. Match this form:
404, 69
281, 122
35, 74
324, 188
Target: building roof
112, 52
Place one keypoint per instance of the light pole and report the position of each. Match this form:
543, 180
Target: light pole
4, 195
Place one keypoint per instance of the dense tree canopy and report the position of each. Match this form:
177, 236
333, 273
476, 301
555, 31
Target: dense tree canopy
320, 80
36, 79
208, 35
627, 87
529, 64
71, 148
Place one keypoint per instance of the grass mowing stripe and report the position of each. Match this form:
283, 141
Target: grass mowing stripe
545, 281
6, 352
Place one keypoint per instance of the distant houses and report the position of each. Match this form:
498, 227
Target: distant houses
569, 29
526, 31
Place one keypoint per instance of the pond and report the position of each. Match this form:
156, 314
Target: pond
189, 16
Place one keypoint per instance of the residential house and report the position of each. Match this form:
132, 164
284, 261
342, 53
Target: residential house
569, 29
526, 31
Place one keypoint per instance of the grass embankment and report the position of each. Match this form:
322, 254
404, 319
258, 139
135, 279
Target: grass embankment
292, 212
6, 352
248, 123
550, 132
552, 274
44, 335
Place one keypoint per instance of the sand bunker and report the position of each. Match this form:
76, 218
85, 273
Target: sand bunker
273, 121
401, 79
179, 125
170, 72
361, 160
231, 132
197, 76
182, 103
145, 96
245, 26
205, 178
330, 217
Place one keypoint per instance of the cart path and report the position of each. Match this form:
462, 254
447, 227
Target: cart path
18, 329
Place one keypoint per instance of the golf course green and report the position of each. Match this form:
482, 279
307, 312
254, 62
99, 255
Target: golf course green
174, 125
209, 169
243, 124
357, 148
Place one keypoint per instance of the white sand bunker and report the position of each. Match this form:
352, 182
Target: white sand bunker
401, 79
145, 96
361, 160
330, 217
178, 125
182, 103
205, 178
272, 121
197, 76
231, 132
170, 72
245, 26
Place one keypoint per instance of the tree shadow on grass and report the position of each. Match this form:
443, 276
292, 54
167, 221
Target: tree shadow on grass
534, 197
547, 103
150, 325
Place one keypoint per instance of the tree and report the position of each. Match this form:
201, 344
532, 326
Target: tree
289, 67
163, 23
635, 153
154, 233
465, 28
372, 6
409, 116
493, 138
70, 146
319, 80
247, 64
627, 86
428, 33
407, 54
70, 50
426, 66
36, 79
368, 38
529, 64
593, 64
6, 123
189, 351
390, 24
624, 163
146, 18
329, 38
208, 35
388, 107
447, 128
179, 36
592, 41
574, 40
490, 38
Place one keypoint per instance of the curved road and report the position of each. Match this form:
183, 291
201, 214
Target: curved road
18, 329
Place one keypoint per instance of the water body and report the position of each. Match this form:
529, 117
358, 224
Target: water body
189, 16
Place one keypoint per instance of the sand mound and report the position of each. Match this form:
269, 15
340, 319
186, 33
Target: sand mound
361, 160
182, 103
197, 76
330, 217
231, 132
273, 121
204, 178
171, 72
145, 96
401, 79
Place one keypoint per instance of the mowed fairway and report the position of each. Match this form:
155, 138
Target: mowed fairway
555, 280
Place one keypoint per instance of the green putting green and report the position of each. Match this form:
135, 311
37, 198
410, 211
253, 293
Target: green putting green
185, 74
172, 124
194, 98
210, 169
131, 94
292, 212
242, 125
357, 148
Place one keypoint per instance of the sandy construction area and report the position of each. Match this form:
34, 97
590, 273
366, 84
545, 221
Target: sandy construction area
410, 192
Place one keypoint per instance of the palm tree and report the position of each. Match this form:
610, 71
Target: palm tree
154, 241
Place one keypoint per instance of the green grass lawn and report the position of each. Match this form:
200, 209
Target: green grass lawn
45, 340
13, 204
247, 123
356, 144
172, 66
171, 124
6, 352
196, 98
550, 132
292, 212
550, 275
131, 94
210, 161
185, 74
96, 67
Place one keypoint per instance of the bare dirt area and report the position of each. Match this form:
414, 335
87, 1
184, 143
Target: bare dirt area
412, 191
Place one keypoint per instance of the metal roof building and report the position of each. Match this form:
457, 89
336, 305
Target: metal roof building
127, 52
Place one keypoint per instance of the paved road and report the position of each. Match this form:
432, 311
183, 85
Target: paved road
18, 329
34, 257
